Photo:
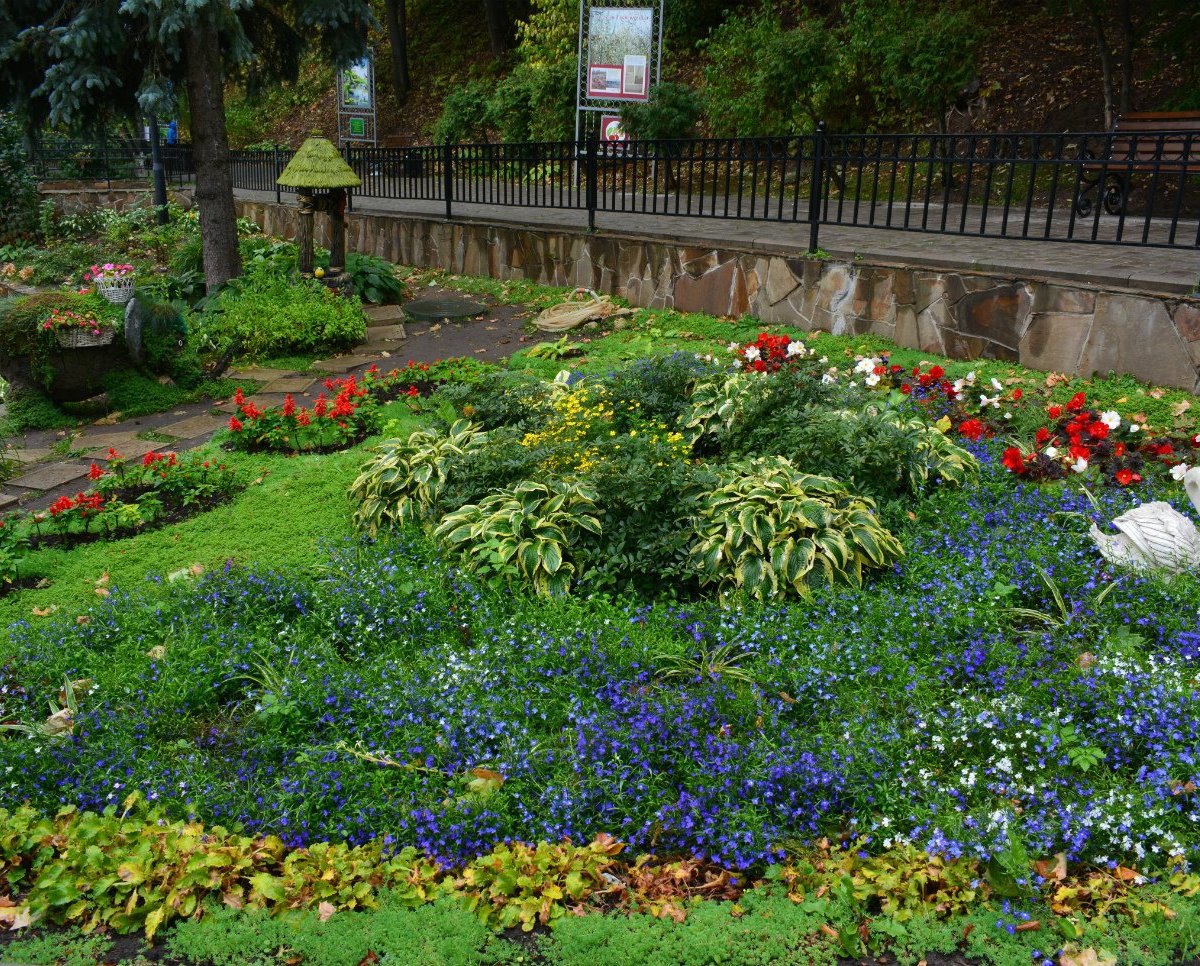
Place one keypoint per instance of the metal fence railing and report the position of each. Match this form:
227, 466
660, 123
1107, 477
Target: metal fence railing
1122, 189
109, 160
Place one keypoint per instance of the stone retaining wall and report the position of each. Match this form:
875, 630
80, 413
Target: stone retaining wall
1076, 329
74, 198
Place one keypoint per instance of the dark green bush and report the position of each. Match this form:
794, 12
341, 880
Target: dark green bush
671, 111
18, 187
374, 279
464, 114
501, 399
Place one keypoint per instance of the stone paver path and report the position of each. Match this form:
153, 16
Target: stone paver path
53, 463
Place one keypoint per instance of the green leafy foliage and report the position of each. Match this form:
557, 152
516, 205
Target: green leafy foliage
400, 484
767, 527
18, 187
671, 111
267, 314
526, 532
374, 279
14, 548
527, 886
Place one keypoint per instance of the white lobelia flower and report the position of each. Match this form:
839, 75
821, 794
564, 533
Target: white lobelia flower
752, 353
1051, 451
1111, 418
1179, 470
1080, 465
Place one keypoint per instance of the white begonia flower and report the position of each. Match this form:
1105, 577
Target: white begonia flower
795, 349
865, 365
1179, 470
997, 385
828, 379
1135, 428
823, 360
871, 380
1111, 418
752, 353
1080, 465
985, 401
733, 347
1051, 451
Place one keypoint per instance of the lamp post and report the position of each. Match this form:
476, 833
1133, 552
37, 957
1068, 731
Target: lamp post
157, 173
321, 176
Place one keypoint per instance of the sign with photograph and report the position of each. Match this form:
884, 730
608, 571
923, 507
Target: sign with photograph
357, 87
620, 45
612, 129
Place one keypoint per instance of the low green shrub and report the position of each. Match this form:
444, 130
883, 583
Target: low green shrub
374, 279
18, 185
269, 314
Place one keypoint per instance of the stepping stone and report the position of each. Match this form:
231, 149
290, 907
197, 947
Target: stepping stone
131, 448
9, 501
289, 384
343, 363
48, 477
382, 314
96, 440
259, 375
386, 333
33, 454
195, 426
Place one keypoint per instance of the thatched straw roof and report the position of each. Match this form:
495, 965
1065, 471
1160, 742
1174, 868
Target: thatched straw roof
318, 165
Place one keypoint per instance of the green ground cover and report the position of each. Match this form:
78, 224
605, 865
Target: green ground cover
986, 750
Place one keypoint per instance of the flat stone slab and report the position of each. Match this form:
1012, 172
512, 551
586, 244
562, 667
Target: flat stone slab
260, 375
34, 454
386, 333
195, 426
129, 448
289, 384
48, 477
9, 501
343, 363
382, 314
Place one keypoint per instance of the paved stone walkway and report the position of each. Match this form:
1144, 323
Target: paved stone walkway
53, 463
1160, 270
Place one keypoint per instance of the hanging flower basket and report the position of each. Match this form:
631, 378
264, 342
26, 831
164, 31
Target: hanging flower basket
84, 338
118, 290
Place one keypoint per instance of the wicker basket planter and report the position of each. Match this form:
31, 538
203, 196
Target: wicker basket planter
118, 290
84, 338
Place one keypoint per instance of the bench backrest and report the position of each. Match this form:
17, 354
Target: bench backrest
1141, 141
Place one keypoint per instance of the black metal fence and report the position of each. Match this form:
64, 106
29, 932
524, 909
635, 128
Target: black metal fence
1120, 189
109, 160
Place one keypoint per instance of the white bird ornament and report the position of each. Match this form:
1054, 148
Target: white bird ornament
1155, 536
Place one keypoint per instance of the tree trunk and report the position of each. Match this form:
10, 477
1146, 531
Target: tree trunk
397, 27
497, 24
1106, 67
210, 147
1128, 44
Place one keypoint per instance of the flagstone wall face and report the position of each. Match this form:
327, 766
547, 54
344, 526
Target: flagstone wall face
1046, 325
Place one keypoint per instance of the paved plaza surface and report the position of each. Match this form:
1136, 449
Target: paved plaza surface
1157, 270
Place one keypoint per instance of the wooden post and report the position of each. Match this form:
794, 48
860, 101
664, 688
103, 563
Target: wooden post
337, 230
304, 234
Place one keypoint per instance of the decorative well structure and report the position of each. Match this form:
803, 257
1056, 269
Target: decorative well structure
321, 176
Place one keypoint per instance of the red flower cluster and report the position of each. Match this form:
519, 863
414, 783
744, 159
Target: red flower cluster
85, 504
770, 353
329, 424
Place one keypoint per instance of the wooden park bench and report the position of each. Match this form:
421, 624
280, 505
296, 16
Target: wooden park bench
1163, 142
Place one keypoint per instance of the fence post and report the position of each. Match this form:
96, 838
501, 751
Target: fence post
275, 168
591, 168
104, 156
817, 190
349, 191
447, 175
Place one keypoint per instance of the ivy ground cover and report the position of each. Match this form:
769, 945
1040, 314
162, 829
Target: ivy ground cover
995, 695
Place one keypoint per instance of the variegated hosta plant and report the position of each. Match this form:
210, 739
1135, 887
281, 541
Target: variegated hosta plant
401, 482
939, 455
767, 528
716, 403
525, 532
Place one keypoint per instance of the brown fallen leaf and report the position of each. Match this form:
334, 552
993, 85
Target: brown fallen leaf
1086, 660
45, 611
83, 619
101, 591
102, 580
233, 900
1179, 408
1055, 869
325, 910
157, 653
1087, 957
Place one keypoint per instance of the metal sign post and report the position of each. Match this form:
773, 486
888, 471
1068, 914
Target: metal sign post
619, 60
356, 103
